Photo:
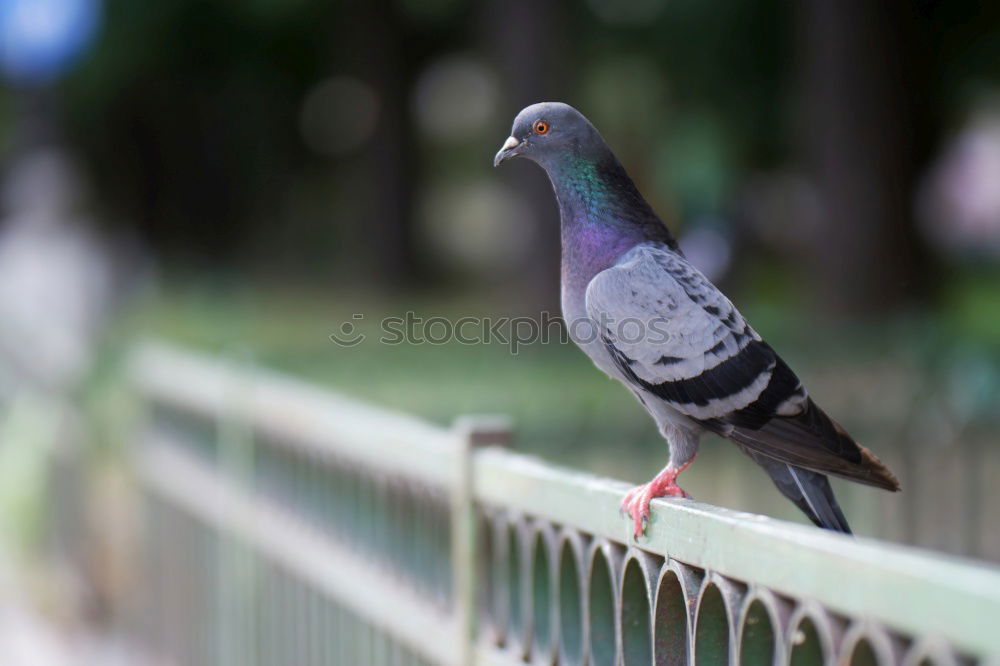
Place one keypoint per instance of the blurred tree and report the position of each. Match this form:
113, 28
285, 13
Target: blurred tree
190, 114
867, 134
186, 112
374, 39
528, 41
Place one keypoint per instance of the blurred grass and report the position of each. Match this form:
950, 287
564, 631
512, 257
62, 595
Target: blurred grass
544, 388
869, 375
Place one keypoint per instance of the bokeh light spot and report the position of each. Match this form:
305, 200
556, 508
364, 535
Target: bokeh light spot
338, 116
455, 98
479, 228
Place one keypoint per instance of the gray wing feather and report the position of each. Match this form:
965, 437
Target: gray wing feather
672, 332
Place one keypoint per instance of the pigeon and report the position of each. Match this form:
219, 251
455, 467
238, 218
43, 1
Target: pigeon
648, 318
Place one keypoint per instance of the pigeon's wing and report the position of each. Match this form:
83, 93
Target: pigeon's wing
672, 333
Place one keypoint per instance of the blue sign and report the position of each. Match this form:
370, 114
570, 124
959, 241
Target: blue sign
41, 39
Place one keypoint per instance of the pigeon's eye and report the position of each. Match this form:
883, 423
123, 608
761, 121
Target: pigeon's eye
541, 127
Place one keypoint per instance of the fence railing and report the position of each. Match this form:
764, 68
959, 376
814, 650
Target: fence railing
288, 525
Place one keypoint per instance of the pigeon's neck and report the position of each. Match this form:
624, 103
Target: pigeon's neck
602, 215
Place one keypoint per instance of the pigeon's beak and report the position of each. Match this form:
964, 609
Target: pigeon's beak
508, 149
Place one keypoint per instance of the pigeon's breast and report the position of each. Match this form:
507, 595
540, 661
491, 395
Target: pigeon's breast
585, 333
582, 330
579, 326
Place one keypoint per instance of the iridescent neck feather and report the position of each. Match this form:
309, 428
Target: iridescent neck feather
602, 213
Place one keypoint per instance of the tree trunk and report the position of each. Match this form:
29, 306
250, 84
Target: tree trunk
384, 49
526, 38
865, 136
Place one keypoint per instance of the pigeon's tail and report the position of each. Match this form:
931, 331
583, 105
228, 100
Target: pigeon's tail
815, 498
810, 491
813, 440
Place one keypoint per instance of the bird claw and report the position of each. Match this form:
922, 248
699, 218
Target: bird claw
636, 501
636, 505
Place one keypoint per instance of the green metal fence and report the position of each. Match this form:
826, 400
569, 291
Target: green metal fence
289, 525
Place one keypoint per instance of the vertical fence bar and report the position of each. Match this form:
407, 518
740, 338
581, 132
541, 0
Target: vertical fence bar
470, 432
235, 456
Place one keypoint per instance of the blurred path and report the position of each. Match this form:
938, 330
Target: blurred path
28, 638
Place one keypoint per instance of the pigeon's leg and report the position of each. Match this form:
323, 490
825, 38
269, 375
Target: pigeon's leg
636, 502
683, 449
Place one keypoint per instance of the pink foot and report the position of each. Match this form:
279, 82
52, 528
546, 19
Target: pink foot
636, 502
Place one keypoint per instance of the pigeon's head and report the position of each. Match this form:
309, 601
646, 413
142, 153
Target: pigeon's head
547, 130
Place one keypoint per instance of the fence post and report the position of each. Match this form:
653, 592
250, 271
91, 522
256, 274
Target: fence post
471, 432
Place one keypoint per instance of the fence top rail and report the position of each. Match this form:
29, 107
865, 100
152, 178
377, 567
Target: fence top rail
911, 590
287, 412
